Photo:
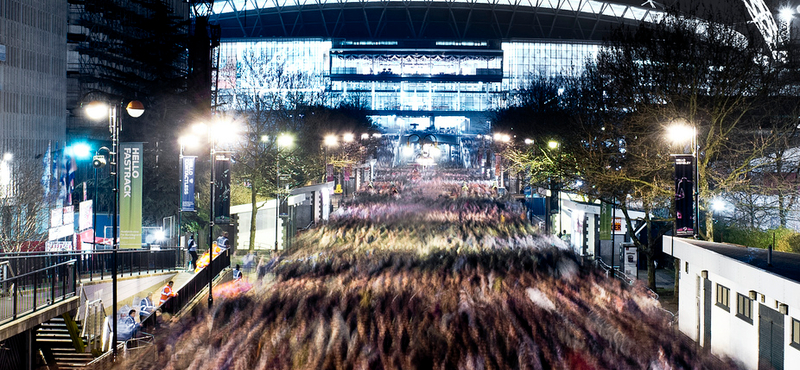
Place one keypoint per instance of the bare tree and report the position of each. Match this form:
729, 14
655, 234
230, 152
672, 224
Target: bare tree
24, 203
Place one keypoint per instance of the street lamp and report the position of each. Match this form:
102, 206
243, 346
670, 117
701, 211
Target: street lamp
97, 111
283, 140
217, 132
98, 161
681, 133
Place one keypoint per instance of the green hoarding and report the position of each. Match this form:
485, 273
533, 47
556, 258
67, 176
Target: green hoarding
130, 207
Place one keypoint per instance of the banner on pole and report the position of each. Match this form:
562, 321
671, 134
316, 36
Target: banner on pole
684, 195
605, 221
222, 188
329, 172
187, 183
130, 206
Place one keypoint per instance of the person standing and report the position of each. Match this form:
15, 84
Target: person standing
146, 308
166, 294
237, 273
222, 241
193, 251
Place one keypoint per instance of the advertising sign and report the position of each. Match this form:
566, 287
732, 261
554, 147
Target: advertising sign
57, 246
222, 188
684, 195
85, 215
130, 205
69, 215
56, 217
187, 184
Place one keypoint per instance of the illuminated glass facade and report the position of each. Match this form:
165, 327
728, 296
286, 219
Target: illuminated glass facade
421, 82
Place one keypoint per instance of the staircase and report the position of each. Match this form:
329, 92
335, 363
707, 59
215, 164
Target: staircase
58, 347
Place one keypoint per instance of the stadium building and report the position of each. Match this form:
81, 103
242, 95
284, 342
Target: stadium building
417, 65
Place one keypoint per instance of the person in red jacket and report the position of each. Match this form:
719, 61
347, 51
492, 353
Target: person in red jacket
167, 292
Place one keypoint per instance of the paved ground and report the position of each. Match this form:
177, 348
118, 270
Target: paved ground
130, 288
665, 286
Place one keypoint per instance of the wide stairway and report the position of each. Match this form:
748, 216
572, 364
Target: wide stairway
62, 348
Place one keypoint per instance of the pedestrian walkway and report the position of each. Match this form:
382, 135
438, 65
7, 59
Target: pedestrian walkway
128, 288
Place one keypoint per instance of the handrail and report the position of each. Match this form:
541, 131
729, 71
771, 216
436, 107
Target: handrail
621, 275
37, 289
97, 263
188, 292
70, 262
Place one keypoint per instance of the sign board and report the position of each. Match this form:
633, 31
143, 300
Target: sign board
59, 232
69, 215
56, 217
57, 246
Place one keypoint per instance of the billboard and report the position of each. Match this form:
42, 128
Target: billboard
130, 204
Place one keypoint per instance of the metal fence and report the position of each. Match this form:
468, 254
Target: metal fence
192, 288
31, 291
97, 264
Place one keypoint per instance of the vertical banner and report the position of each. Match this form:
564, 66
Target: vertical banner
347, 171
329, 172
187, 184
605, 221
684, 195
222, 188
130, 206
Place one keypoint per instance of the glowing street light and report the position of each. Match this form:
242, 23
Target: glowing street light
98, 110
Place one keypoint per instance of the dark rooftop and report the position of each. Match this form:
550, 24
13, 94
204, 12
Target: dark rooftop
784, 264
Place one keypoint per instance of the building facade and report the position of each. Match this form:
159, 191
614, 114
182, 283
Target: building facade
422, 64
736, 302
32, 81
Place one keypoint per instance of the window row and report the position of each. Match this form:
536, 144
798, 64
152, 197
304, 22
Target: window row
744, 311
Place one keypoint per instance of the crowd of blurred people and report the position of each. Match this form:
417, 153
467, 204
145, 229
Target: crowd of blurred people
431, 280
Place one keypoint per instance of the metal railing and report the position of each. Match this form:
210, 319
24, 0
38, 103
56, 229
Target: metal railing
31, 291
188, 292
97, 264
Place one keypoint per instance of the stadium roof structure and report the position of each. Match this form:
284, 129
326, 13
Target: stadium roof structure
588, 20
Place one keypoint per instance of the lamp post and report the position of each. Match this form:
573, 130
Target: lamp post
217, 132
97, 111
681, 133
330, 141
283, 140
98, 161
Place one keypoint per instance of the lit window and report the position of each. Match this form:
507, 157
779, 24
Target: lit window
744, 308
795, 333
723, 298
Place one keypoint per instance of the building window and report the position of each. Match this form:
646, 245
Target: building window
744, 308
723, 298
795, 333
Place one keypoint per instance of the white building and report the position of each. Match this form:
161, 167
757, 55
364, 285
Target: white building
735, 303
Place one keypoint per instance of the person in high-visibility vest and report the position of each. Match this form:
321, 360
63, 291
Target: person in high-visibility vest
166, 292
